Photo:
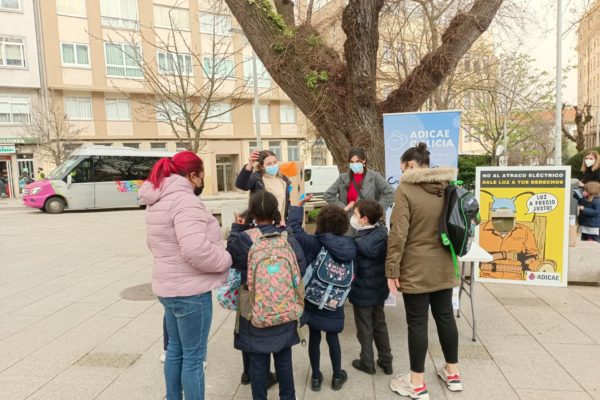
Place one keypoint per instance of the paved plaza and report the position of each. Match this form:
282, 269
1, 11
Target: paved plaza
66, 332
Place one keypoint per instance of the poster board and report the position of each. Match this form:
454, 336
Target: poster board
525, 224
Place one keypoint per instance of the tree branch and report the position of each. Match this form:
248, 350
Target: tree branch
286, 9
463, 31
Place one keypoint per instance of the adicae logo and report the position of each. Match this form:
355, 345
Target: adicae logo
531, 276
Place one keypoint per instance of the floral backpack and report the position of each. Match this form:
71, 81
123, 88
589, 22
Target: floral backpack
275, 293
227, 295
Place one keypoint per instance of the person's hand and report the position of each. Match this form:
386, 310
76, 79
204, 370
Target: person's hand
350, 206
252, 160
393, 285
239, 220
581, 208
305, 200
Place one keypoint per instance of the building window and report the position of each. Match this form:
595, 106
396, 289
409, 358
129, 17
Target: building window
14, 109
75, 55
293, 150
70, 147
118, 110
12, 52
275, 147
218, 67
78, 108
181, 146
119, 14
132, 145
169, 111
252, 146
10, 5
103, 144
219, 112
263, 111
174, 64
171, 17
287, 114
264, 79
71, 7
123, 60
158, 146
319, 153
215, 24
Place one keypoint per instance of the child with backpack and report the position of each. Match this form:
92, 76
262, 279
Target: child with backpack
331, 257
589, 212
369, 289
271, 299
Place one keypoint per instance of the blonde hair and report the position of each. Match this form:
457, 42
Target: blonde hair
592, 189
596, 156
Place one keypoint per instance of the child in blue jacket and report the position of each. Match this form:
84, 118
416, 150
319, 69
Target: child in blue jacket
332, 224
589, 212
370, 288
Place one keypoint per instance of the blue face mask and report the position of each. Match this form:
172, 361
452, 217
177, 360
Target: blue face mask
357, 168
272, 170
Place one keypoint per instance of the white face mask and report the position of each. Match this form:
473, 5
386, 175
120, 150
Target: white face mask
355, 224
589, 162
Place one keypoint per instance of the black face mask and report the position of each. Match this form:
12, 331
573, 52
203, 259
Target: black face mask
198, 190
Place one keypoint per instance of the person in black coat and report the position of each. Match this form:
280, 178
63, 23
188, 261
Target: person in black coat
278, 340
266, 177
370, 288
332, 224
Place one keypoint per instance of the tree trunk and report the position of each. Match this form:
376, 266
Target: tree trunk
339, 97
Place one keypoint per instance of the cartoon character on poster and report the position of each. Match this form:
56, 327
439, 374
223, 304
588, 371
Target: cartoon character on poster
523, 228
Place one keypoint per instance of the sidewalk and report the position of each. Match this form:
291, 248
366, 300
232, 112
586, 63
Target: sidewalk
66, 332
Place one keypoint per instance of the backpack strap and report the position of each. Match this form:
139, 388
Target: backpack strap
357, 188
443, 226
254, 234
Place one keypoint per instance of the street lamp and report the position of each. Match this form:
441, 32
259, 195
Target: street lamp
256, 102
558, 111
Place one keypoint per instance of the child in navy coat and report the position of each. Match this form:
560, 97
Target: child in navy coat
332, 224
370, 289
589, 212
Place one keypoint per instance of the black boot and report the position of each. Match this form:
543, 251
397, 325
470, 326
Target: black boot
386, 367
362, 366
337, 383
245, 380
315, 383
272, 380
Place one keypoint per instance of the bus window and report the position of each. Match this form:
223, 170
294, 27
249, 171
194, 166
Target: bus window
82, 173
110, 169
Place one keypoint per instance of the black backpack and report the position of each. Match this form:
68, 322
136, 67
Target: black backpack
459, 218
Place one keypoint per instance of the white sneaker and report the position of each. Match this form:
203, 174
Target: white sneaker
163, 356
403, 386
453, 381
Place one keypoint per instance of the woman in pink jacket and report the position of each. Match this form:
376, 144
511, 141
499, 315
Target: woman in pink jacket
189, 261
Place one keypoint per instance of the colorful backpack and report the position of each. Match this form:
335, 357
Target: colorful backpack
328, 282
275, 293
227, 295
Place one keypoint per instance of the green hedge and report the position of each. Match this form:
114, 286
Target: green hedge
576, 160
466, 168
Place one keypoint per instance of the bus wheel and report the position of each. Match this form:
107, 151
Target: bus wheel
54, 205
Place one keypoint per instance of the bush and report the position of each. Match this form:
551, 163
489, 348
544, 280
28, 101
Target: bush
576, 160
466, 168
313, 214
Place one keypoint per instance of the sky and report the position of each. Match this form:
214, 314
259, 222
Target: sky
540, 40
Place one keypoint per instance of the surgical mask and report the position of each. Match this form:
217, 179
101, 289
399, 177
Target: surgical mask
198, 190
355, 224
272, 170
503, 225
357, 168
589, 162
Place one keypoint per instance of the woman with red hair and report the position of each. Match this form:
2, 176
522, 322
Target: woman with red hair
190, 261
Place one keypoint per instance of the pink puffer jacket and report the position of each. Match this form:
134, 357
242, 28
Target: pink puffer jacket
185, 239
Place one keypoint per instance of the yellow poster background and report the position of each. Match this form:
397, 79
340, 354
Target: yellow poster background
544, 232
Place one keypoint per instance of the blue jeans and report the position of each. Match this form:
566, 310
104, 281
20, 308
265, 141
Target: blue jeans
188, 323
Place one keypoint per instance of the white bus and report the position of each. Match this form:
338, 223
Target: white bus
93, 177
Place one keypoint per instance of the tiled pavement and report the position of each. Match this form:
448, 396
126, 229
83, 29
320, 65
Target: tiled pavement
67, 333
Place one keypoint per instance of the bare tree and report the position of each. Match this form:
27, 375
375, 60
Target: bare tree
337, 92
51, 131
513, 105
187, 86
583, 116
